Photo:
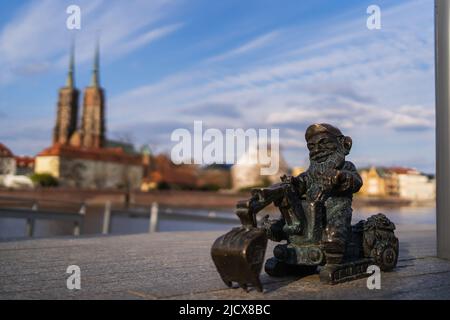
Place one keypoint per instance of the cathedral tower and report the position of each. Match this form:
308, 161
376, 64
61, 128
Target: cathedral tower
67, 113
93, 120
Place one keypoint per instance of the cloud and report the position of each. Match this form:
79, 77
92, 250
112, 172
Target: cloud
215, 109
27, 136
31, 68
154, 133
37, 35
373, 84
149, 37
377, 86
410, 118
370, 66
256, 43
338, 89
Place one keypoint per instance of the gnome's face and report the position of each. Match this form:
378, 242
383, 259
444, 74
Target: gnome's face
322, 146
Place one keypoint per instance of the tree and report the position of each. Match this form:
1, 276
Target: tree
44, 180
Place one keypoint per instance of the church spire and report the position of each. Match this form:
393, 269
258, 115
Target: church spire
67, 106
93, 119
70, 73
95, 70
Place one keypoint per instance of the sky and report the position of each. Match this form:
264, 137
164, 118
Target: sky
231, 64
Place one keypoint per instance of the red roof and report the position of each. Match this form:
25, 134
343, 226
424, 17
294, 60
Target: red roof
99, 154
401, 170
24, 161
5, 152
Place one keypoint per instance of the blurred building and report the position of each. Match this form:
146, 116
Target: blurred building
247, 172
374, 182
93, 168
127, 147
214, 177
80, 155
414, 185
147, 163
12, 173
162, 173
24, 165
405, 183
297, 171
7, 161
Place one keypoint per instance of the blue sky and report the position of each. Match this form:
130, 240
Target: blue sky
232, 64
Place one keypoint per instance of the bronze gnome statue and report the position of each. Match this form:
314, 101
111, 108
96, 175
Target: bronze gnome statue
315, 223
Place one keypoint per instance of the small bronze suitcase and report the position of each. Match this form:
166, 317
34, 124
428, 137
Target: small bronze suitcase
239, 256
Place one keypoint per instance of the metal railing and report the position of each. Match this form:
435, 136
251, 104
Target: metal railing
155, 213
33, 214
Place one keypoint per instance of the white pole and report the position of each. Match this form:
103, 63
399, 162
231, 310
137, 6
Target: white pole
153, 218
82, 210
442, 73
107, 218
31, 221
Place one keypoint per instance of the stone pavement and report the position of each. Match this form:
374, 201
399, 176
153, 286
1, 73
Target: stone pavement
177, 265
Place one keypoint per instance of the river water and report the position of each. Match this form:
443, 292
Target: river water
413, 218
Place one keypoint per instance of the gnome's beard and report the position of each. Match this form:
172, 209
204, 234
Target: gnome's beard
334, 161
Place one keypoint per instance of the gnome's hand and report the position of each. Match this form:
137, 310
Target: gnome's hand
339, 178
330, 179
299, 183
344, 180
